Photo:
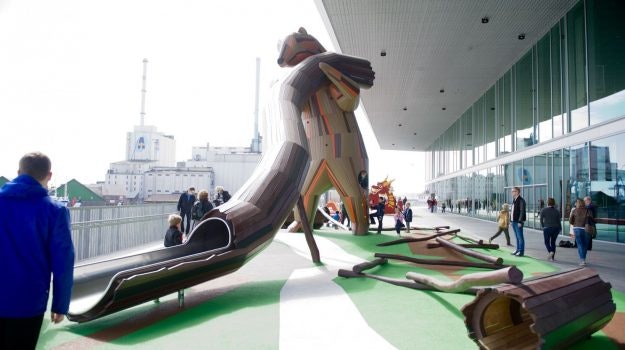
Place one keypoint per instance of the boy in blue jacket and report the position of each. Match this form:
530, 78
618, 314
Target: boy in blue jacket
35, 242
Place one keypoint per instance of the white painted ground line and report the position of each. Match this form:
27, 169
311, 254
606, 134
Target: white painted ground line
315, 313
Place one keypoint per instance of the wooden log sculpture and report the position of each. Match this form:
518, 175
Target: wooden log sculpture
435, 228
508, 275
466, 245
470, 239
358, 268
440, 262
552, 311
397, 282
469, 252
420, 239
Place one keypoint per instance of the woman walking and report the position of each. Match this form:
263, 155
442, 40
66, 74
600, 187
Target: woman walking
503, 220
550, 221
579, 217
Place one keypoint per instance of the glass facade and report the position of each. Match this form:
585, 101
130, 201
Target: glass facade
571, 80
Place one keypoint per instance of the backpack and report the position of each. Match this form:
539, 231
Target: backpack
196, 211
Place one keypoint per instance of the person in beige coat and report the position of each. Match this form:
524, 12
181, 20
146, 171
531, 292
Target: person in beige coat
503, 220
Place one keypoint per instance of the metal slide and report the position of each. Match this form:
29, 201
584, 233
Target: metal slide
331, 219
232, 233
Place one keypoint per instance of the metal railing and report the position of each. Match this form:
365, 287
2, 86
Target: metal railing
104, 230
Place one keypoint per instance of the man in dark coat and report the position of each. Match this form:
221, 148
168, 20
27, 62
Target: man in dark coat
518, 220
185, 207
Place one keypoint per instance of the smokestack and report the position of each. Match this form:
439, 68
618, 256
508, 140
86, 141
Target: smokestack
143, 90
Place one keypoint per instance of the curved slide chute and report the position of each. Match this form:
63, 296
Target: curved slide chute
332, 220
234, 232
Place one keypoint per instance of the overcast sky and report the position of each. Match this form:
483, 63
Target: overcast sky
70, 78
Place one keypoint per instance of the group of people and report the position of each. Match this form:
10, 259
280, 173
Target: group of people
402, 218
581, 220
191, 210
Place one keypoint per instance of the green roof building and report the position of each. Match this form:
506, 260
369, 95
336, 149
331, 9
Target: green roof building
78, 192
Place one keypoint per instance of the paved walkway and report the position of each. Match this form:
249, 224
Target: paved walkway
608, 259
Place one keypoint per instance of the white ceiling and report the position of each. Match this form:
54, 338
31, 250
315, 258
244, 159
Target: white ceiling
433, 45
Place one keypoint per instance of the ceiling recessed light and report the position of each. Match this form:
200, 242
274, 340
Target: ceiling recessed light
521, 36
485, 19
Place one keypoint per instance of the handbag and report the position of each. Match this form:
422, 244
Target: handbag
590, 229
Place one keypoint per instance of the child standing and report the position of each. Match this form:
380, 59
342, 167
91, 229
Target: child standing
503, 221
399, 220
408, 216
174, 235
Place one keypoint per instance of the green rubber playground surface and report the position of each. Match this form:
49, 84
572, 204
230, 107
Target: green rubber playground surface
242, 310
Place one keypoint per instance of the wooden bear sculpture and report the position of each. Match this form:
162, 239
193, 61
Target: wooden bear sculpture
336, 146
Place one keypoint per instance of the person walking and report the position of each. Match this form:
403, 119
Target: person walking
503, 222
408, 216
518, 220
35, 242
593, 209
185, 207
578, 219
550, 221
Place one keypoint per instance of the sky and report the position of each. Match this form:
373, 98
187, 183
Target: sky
70, 79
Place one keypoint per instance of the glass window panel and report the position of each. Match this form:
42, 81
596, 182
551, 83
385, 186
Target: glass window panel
540, 169
607, 187
579, 173
467, 137
577, 67
543, 67
504, 114
478, 130
524, 115
556, 80
490, 123
606, 59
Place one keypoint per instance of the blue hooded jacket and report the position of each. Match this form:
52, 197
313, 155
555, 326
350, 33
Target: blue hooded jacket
35, 240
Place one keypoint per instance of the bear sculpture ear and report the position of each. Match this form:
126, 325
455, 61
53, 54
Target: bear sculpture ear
302, 30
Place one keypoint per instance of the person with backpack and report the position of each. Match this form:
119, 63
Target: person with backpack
201, 207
